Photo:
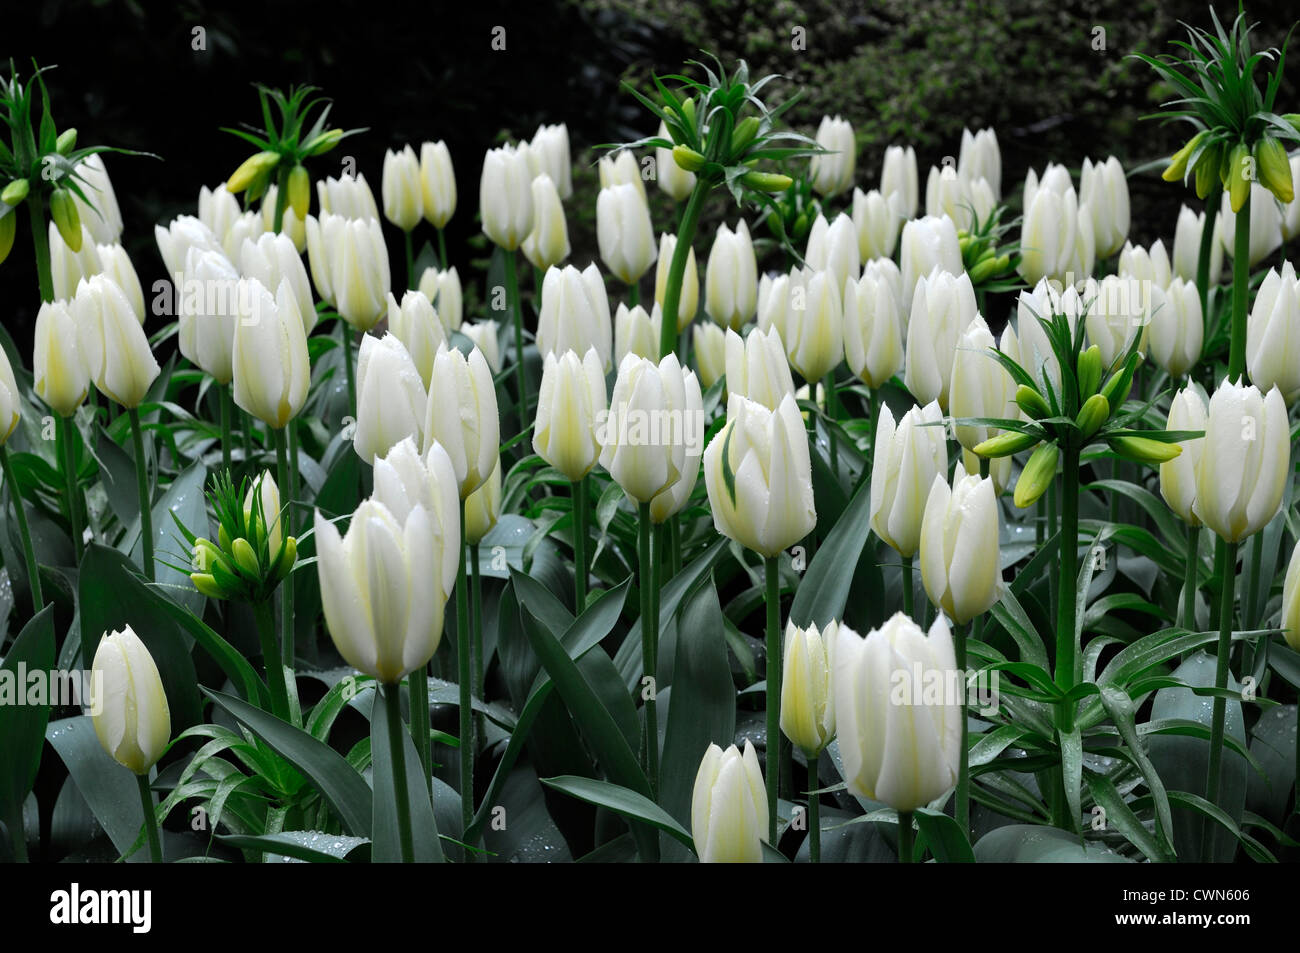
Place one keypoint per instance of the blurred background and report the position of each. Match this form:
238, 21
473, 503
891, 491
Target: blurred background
1054, 80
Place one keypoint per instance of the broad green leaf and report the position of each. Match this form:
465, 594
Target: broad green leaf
824, 588
22, 725
944, 837
621, 801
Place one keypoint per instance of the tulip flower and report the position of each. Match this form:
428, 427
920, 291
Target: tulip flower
963, 200
272, 369
674, 498
11, 407
442, 288
574, 313
807, 703
101, 216
569, 409
624, 232
1041, 303
672, 179
273, 258
1177, 327
898, 181
729, 807
218, 210
116, 264
1147, 265
437, 184
759, 476
291, 226
1291, 601
643, 441
980, 386
1055, 240
1265, 225
349, 264
175, 241
482, 509
401, 188
1187, 247
778, 298
1120, 314
873, 335
756, 367
876, 221
1273, 334
943, 306
1187, 411
620, 168
461, 414
548, 243
900, 745
247, 227
688, 302
1291, 210
506, 196
113, 344
391, 399
1245, 463
348, 196
548, 151
959, 546
730, 277
832, 172
711, 353
980, 158
907, 457
68, 267
636, 332
814, 334
58, 366
415, 323
928, 243
207, 311
1104, 190
834, 248
484, 334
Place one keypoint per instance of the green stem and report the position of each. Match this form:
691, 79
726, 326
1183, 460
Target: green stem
1251, 619
1189, 578
286, 587
418, 686
832, 413
464, 680
68, 431
1227, 558
814, 810
142, 486
24, 532
442, 248
774, 660
392, 695
1068, 561
961, 810
1208, 238
345, 340
677, 270
281, 197
904, 837
649, 647
579, 545
150, 818
476, 621
908, 594
265, 618
675, 544
1052, 508
246, 428
41, 244
410, 259
633, 294
984, 468
1240, 290
223, 398
517, 316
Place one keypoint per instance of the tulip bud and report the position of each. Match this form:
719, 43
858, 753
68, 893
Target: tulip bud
58, 367
64, 214
1273, 334
624, 232
731, 277
832, 172
462, 416
965, 201
981, 387
711, 353
437, 183
401, 189
184, 233
485, 335
130, 713
506, 196
256, 167
113, 343
15, 192
641, 446
548, 243
877, 222
814, 333
689, 300
959, 546
574, 313
759, 476
834, 248
11, 406
873, 334
1055, 240
348, 196
671, 500
907, 457
1187, 247
548, 153
1187, 411
898, 182
1094, 412
672, 179
757, 368
1104, 191
927, 244
636, 332
1037, 475
391, 399
350, 266
1177, 328
807, 706
570, 408
621, 168
443, 289
272, 369
117, 266
1290, 211
99, 211
943, 306
729, 807
900, 745
207, 310
980, 158
1290, 620
415, 323
483, 508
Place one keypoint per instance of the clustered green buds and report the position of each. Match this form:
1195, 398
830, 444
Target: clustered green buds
983, 258
63, 209
1037, 475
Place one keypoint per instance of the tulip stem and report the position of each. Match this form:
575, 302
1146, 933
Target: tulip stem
774, 660
150, 818
677, 269
1208, 237
517, 317
24, 532
265, 619
282, 479
674, 544
476, 620
1240, 289
281, 197
649, 646
579, 545
904, 837
1251, 619
41, 244
1064, 584
410, 259
961, 810
1189, 578
908, 594
68, 431
464, 679
142, 484
223, 398
832, 412
392, 695
442, 248
814, 809
418, 687
1227, 558
345, 341
634, 294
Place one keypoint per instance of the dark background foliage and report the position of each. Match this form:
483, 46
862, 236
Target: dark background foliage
913, 71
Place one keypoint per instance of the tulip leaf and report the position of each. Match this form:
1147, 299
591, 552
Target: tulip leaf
1033, 843
22, 725
825, 587
621, 801
424, 828
944, 837
336, 780
310, 846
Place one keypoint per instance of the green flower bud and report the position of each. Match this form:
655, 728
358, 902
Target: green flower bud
1144, 449
1005, 444
1094, 413
245, 557
1207, 169
323, 143
687, 158
688, 109
744, 134
1116, 389
66, 218
15, 192
1088, 371
8, 226
1274, 168
1032, 402
1238, 184
66, 142
766, 181
206, 584
255, 168
300, 192
801, 226
1177, 168
288, 556
986, 268
1037, 475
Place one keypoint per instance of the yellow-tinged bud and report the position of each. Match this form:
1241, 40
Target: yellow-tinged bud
8, 227
323, 143
1177, 168
767, 181
1274, 168
1238, 183
300, 192
1088, 371
1005, 444
66, 218
687, 158
1144, 449
288, 556
245, 557
1037, 475
744, 134
206, 584
1094, 413
252, 171
688, 109
66, 142
15, 192
987, 268
1207, 170
1032, 402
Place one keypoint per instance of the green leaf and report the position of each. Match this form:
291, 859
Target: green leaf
824, 589
108, 788
311, 846
22, 726
1120, 708
424, 829
944, 837
229, 658
1121, 816
622, 801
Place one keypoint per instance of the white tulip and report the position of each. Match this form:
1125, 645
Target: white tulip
673, 180
1187, 411
549, 152
624, 232
548, 243
207, 309
877, 222
59, 373
391, 400
113, 344
899, 180
1187, 247
272, 369
1265, 224
1177, 327
506, 196
636, 332
401, 188
980, 158
959, 552
443, 289
928, 243
462, 415
942, 307
485, 335
574, 313
729, 810
688, 302
834, 248
756, 367
570, 407
116, 264
731, 277
102, 216
349, 264
907, 457
1273, 334
273, 259
348, 196
437, 184
1104, 190
832, 172
873, 332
